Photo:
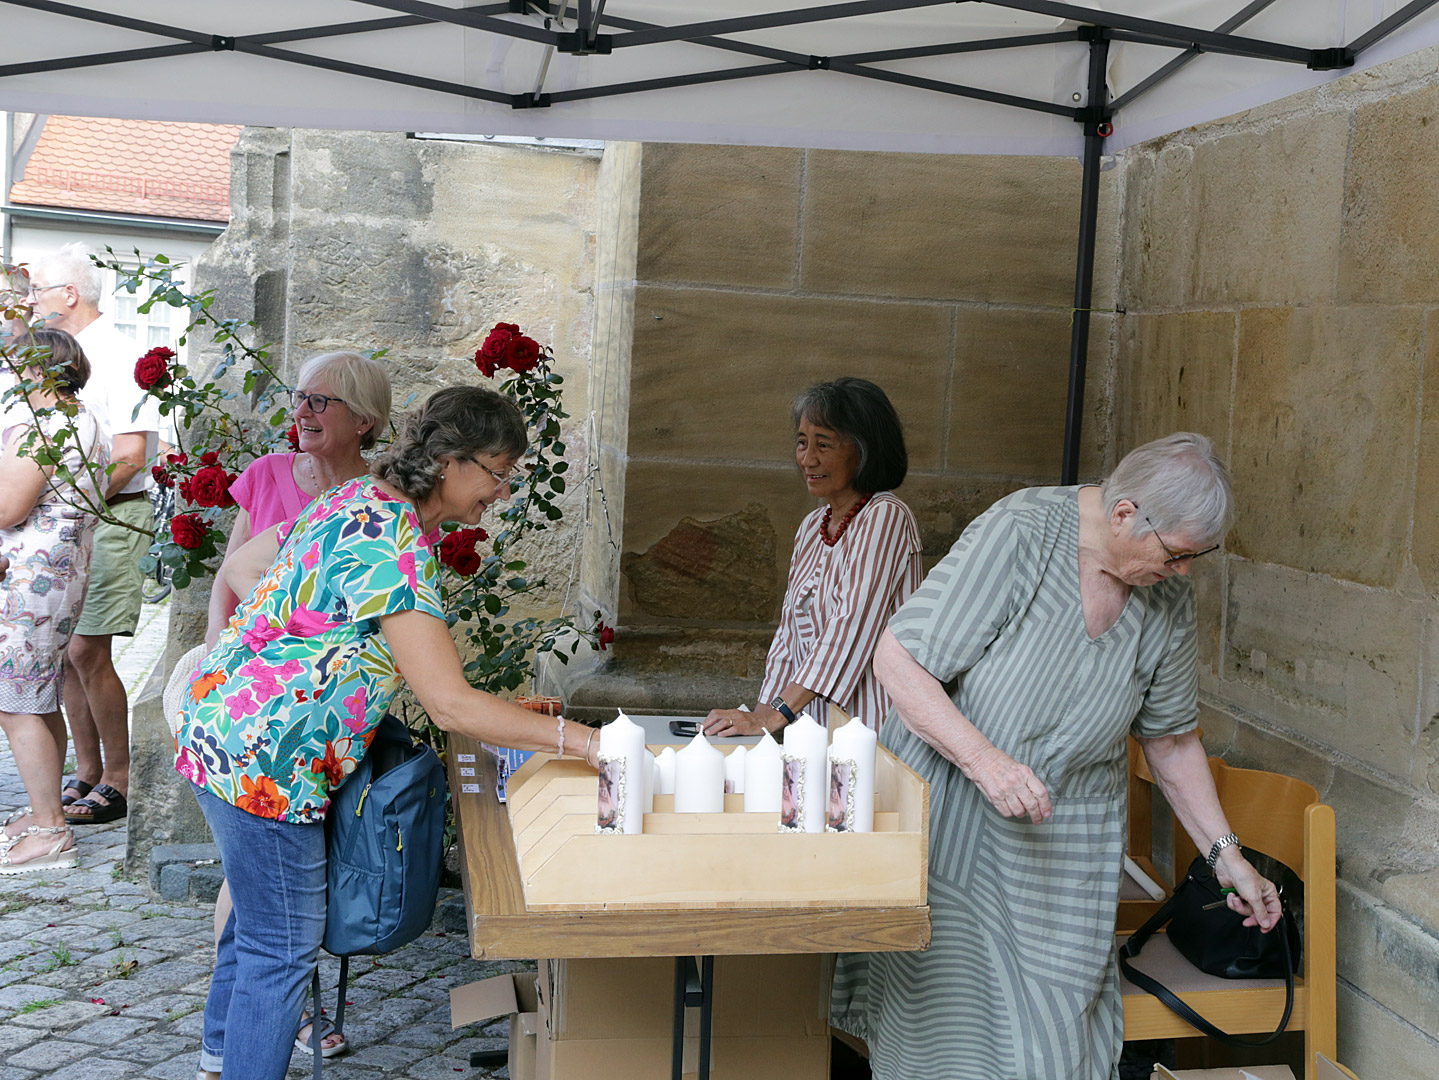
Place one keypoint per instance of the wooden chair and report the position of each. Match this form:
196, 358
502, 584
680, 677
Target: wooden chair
1283, 818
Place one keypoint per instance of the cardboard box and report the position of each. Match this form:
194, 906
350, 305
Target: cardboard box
515, 996
614, 1019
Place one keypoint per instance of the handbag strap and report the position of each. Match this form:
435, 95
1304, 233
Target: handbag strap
1172, 1001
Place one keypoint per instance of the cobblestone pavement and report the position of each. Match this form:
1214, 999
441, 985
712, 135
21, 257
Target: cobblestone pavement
101, 982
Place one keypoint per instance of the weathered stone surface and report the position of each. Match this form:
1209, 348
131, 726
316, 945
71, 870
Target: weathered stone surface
1008, 394
913, 225
162, 803
1216, 727
1376, 1042
1208, 577
1253, 747
943, 506
1173, 373
1323, 435
1335, 662
1247, 216
1392, 959
1426, 492
659, 495
1383, 831
713, 371
725, 215
722, 569
1390, 253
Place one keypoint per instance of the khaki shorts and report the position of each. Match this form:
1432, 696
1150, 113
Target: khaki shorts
112, 601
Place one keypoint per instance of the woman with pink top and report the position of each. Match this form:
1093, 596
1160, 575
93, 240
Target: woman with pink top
341, 404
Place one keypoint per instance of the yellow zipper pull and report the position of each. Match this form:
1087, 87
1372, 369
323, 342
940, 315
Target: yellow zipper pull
361, 804
399, 840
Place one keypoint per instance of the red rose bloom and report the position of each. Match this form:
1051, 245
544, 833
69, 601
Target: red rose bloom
163, 477
293, 436
211, 487
522, 353
466, 563
188, 530
181, 458
507, 327
209, 457
153, 369
606, 636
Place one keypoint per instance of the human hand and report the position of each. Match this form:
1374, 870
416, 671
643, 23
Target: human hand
1011, 788
1254, 896
741, 721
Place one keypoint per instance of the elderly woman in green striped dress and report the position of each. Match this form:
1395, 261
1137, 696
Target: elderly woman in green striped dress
1061, 622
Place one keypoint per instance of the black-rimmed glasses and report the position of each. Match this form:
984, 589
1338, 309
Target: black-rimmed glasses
1177, 556
318, 402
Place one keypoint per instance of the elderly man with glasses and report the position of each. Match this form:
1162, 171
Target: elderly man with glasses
65, 294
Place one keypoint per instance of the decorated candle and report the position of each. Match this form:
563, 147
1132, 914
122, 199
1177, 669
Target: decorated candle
734, 771
665, 766
849, 796
803, 784
650, 768
762, 768
699, 778
622, 776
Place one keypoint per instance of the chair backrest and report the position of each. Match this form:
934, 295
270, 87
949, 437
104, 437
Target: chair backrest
1265, 809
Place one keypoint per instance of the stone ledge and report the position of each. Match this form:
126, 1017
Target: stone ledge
185, 871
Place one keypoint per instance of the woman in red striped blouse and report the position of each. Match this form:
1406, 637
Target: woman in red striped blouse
856, 560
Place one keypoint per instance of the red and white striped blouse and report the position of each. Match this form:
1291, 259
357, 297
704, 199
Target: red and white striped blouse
837, 602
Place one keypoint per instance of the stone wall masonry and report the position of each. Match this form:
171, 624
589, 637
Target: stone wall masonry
1280, 296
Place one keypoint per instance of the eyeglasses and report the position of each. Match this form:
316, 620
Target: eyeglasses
1177, 556
318, 402
36, 290
514, 478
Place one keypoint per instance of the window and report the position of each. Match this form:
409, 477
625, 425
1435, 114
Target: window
161, 325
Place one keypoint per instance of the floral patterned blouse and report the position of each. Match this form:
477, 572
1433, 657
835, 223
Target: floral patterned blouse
288, 700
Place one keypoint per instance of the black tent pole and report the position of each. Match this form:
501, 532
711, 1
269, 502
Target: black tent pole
1096, 127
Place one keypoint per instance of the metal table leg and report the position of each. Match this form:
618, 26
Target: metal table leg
694, 987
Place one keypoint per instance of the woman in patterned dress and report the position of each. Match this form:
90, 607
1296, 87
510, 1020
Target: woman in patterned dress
1061, 622
46, 526
340, 607
856, 558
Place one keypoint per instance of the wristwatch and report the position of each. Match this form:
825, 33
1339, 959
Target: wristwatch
1219, 845
779, 706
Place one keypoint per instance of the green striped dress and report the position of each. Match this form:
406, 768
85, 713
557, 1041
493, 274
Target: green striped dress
1020, 982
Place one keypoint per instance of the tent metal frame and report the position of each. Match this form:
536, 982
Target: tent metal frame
1095, 28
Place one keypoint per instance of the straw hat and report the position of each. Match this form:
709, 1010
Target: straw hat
181, 675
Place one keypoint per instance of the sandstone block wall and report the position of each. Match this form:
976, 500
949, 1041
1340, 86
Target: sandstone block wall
1278, 276
946, 280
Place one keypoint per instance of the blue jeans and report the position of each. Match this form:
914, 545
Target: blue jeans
268, 949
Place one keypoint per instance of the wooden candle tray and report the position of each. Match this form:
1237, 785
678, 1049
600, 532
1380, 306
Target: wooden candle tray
723, 860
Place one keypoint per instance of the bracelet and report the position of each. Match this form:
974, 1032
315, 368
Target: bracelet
589, 740
562, 737
1227, 840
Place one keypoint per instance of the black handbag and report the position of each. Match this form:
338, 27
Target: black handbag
1215, 940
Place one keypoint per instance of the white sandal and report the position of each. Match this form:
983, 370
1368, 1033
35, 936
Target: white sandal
15, 815
58, 857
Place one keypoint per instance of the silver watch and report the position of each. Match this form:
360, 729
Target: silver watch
1219, 845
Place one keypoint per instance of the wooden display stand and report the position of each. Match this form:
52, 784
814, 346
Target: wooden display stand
565, 866
704, 916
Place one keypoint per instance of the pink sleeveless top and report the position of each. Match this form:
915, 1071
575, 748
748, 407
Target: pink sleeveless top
267, 491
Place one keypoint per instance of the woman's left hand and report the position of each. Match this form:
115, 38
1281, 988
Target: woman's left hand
1255, 896
724, 722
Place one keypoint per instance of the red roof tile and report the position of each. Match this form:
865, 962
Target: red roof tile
149, 167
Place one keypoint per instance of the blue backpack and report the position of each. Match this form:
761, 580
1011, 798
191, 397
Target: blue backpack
385, 838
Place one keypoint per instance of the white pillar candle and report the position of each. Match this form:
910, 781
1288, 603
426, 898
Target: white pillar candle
665, 766
762, 770
622, 776
803, 788
734, 771
650, 771
699, 778
850, 794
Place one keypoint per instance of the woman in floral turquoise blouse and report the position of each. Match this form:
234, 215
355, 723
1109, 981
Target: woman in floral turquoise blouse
340, 607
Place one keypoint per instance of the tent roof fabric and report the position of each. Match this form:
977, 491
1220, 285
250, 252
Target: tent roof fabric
990, 76
149, 167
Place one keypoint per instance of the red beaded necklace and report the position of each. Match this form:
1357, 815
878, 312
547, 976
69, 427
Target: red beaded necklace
843, 522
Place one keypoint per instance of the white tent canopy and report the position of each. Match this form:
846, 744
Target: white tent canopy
867, 74
934, 76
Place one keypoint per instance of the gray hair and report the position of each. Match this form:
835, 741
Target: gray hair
458, 422
1179, 484
72, 265
361, 382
